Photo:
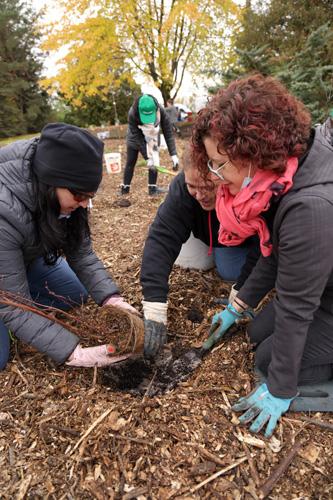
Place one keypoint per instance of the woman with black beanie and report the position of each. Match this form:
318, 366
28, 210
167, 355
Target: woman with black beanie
45, 188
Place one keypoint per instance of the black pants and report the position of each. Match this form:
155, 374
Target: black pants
318, 346
132, 156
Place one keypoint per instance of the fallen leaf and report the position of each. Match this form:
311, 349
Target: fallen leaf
310, 453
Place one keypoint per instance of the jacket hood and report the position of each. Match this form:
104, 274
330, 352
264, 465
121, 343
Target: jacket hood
15, 170
317, 167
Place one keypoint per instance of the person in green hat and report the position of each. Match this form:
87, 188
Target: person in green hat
147, 119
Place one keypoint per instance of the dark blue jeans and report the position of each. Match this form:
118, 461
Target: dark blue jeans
56, 286
229, 261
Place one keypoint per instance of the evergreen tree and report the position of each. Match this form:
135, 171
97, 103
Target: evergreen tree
292, 40
310, 74
281, 25
23, 104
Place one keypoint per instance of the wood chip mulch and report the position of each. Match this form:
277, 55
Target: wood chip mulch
65, 435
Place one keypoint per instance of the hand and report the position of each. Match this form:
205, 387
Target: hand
155, 338
100, 355
233, 294
222, 321
175, 162
262, 404
150, 164
155, 319
117, 301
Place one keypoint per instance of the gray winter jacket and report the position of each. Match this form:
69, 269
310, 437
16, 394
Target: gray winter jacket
18, 237
135, 138
300, 267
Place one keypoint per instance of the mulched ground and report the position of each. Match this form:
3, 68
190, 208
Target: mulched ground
65, 435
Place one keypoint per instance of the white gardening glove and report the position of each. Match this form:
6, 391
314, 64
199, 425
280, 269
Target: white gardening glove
233, 294
101, 355
155, 319
175, 162
117, 301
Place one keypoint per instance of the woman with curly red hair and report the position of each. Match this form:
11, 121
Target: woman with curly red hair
276, 180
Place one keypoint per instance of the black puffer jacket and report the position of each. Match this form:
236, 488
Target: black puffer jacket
300, 267
135, 138
178, 216
17, 250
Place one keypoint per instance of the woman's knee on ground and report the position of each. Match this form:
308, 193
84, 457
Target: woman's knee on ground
263, 355
262, 326
229, 261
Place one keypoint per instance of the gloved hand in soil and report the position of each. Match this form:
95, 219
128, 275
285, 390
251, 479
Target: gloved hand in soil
262, 404
100, 355
222, 321
175, 162
247, 311
155, 319
117, 301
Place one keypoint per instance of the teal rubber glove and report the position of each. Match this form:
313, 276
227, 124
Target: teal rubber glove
262, 404
222, 321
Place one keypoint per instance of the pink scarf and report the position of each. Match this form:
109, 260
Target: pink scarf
239, 215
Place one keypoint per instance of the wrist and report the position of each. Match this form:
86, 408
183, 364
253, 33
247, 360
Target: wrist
155, 311
239, 305
232, 310
110, 297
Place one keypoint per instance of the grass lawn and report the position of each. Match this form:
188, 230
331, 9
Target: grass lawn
8, 140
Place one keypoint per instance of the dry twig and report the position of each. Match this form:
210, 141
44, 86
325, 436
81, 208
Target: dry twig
268, 485
318, 423
91, 428
217, 474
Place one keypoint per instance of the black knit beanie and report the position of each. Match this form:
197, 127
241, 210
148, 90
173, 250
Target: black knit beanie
69, 157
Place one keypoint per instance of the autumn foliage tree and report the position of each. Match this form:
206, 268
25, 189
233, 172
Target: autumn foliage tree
155, 38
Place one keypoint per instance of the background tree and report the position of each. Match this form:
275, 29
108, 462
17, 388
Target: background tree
281, 25
23, 105
154, 38
290, 39
309, 76
97, 110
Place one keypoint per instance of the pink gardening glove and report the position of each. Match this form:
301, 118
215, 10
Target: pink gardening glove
100, 355
118, 301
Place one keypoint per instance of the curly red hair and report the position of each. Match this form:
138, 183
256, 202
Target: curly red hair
254, 119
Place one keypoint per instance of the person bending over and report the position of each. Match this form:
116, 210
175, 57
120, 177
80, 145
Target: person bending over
188, 208
45, 247
146, 121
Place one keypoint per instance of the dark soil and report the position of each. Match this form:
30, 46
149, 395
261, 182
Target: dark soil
69, 433
141, 377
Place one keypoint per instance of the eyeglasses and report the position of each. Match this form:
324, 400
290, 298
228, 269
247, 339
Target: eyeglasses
79, 197
217, 170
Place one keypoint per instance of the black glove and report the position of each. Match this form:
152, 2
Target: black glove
155, 338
